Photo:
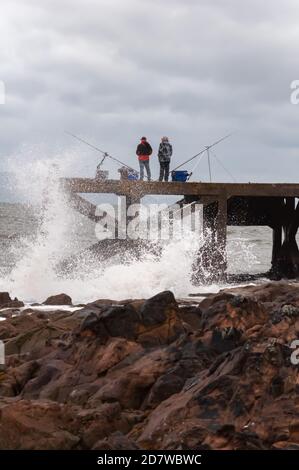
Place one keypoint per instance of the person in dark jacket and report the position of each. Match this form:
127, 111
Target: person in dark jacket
144, 150
164, 155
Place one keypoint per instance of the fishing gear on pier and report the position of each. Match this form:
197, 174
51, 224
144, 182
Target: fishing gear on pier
127, 172
184, 175
105, 154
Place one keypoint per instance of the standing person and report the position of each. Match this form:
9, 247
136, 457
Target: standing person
144, 150
164, 155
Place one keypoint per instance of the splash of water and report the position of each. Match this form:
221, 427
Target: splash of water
35, 275
38, 254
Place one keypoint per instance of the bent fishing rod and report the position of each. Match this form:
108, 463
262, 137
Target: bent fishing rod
106, 155
207, 148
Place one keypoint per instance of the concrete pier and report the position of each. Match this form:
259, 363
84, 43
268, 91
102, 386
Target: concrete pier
225, 204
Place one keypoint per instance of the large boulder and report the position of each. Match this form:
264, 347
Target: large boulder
154, 311
4, 299
114, 321
60, 299
153, 322
160, 320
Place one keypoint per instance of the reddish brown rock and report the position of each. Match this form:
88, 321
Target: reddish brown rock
60, 299
116, 441
37, 425
4, 298
16, 304
155, 375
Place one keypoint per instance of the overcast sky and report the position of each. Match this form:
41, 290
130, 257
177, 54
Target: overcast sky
114, 70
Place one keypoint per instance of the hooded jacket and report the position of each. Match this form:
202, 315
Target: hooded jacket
144, 150
165, 152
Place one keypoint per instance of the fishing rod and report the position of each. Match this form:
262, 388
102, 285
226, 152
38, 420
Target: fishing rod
106, 155
207, 148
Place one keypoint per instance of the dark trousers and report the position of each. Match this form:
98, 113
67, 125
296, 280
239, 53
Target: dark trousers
164, 171
145, 164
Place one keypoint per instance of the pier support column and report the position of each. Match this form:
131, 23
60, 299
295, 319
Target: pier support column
211, 262
277, 242
221, 236
286, 260
131, 199
83, 206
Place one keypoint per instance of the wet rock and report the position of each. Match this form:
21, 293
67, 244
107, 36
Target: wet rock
121, 321
277, 386
221, 297
60, 299
92, 325
153, 375
191, 315
35, 386
116, 441
4, 298
283, 445
8, 313
37, 426
289, 311
151, 323
241, 314
166, 385
154, 311
101, 422
225, 340
238, 301
160, 320
130, 385
13, 304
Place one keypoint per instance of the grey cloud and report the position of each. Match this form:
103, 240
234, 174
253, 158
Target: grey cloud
113, 70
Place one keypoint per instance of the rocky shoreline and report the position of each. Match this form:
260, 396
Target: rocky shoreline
152, 374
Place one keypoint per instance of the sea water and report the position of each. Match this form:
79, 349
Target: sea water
36, 237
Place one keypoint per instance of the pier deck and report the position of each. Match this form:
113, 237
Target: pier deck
88, 185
